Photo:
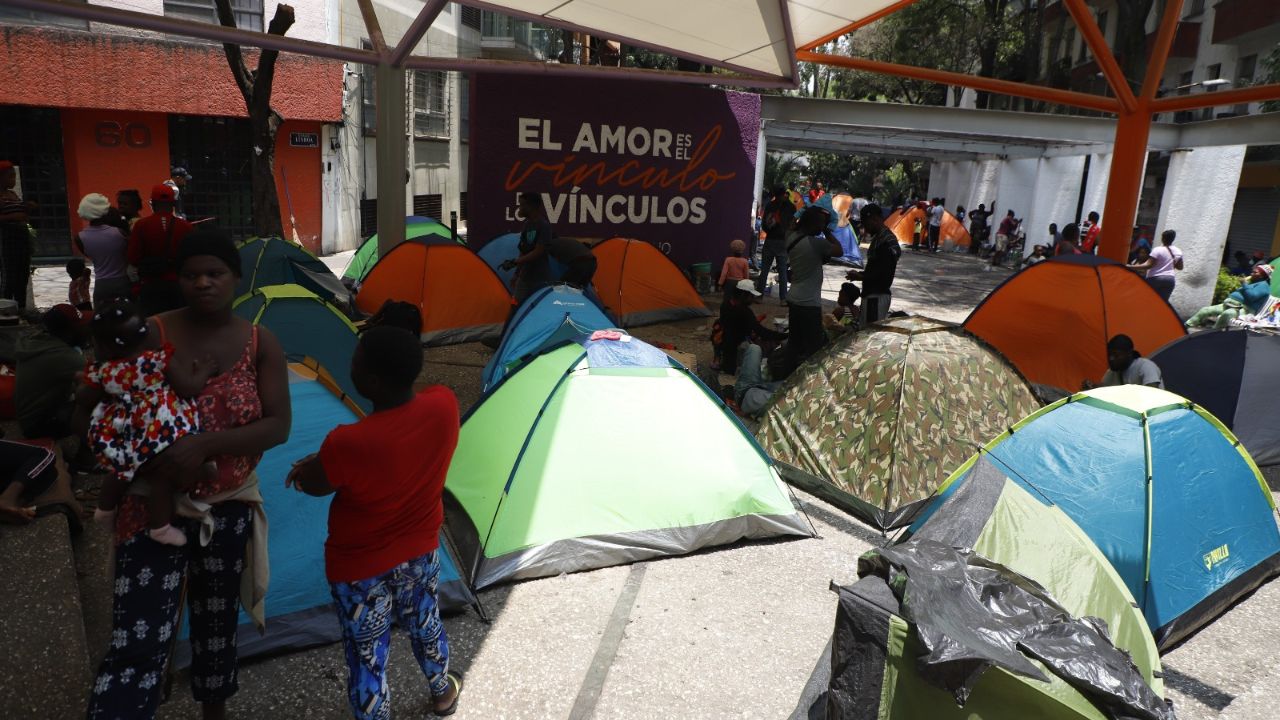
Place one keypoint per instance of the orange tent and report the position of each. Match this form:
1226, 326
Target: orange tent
893, 218
1053, 319
461, 298
641, 286
952, 229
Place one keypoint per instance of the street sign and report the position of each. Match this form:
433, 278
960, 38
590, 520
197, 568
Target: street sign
304, 139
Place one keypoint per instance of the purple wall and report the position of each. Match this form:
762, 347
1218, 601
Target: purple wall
670, 164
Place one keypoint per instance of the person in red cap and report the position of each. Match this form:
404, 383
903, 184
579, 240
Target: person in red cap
15, 238
153, 248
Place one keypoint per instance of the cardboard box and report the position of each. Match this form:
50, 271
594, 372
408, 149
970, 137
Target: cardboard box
689, 360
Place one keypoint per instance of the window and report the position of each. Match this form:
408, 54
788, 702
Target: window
1195, 7
471, 18
368, 217
1213, 73
368, 96
1102, 23
248, 12
16, 16
1070, 43
464, 112
430, 206
430, 103
462, 206
1184, 82
1246, 68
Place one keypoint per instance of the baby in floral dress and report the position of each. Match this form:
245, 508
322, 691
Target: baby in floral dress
140, 407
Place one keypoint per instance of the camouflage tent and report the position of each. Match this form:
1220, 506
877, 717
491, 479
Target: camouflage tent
877, 421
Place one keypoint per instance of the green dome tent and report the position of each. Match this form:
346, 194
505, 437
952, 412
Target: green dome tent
877, 420
872, 666
599, 453
367, 256
307, 327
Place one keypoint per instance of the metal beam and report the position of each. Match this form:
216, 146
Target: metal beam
993, 85
891, 9
1097, 43
894, 139
521, 67
430, 11
746, 72
1244, 130
391, 151
983, 124
190, 28
374, 27
1257, 93
1165, 35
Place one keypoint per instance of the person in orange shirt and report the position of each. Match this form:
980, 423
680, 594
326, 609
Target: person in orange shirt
1090, 243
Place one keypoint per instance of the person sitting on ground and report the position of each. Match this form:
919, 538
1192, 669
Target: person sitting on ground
735, 266
739, 324
134, 404
844, 317
751, 390
1070, 243
1127, 367
382, 554
49, 363
26, 472
576, 257
882, 265
78, 288
809, 246
1037, 256
1248, 299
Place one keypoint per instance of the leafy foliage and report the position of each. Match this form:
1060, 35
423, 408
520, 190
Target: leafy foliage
1225, 285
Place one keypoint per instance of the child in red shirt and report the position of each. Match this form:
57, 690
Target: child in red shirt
384, 522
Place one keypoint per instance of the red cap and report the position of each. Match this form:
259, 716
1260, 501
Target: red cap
6, 165
162, 193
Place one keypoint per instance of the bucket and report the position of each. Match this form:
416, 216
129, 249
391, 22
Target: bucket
701, 276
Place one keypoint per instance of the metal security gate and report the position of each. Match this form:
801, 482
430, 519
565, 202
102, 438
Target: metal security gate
1254, 220
31, 138
215, 150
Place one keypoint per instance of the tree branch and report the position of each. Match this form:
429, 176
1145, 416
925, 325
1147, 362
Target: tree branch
266, 72
235, 58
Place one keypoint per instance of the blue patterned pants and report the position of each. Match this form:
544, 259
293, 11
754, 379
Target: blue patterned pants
148, 588
366, 608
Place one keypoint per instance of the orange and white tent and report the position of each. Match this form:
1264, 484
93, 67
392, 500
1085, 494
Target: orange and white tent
641, 286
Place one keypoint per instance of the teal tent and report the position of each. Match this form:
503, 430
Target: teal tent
274, 261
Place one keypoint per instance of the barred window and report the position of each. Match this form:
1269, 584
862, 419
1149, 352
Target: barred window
430, 103
248, 12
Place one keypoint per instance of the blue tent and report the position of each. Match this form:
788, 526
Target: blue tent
503, 248
307, 327
299, 604
537, 320
1161, 487
852, 254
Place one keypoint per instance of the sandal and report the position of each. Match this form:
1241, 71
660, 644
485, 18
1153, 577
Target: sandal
453, 706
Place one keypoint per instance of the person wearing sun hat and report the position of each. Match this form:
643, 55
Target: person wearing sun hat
1248, 299
106, 246
153, 250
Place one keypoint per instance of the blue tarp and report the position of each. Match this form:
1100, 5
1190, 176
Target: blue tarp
537, 319
1212, 530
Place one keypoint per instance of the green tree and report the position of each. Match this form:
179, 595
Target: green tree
781, 170
1271, 74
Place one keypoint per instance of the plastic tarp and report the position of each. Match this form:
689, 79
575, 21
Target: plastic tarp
971, 614
537, 320
1230, 373
1053, 319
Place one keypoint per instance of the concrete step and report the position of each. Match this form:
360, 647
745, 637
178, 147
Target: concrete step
45, 661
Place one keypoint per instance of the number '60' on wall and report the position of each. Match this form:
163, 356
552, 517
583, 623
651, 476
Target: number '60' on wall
112, 134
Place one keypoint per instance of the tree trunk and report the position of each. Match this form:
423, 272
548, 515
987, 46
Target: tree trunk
264, 121
989, 43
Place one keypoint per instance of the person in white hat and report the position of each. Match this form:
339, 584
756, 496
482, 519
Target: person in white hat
107, 247
1248, 299
739, 324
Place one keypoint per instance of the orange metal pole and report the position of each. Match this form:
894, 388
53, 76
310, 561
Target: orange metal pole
1129, 158
1003, 87
1097, 43
855, 25
1257, 93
